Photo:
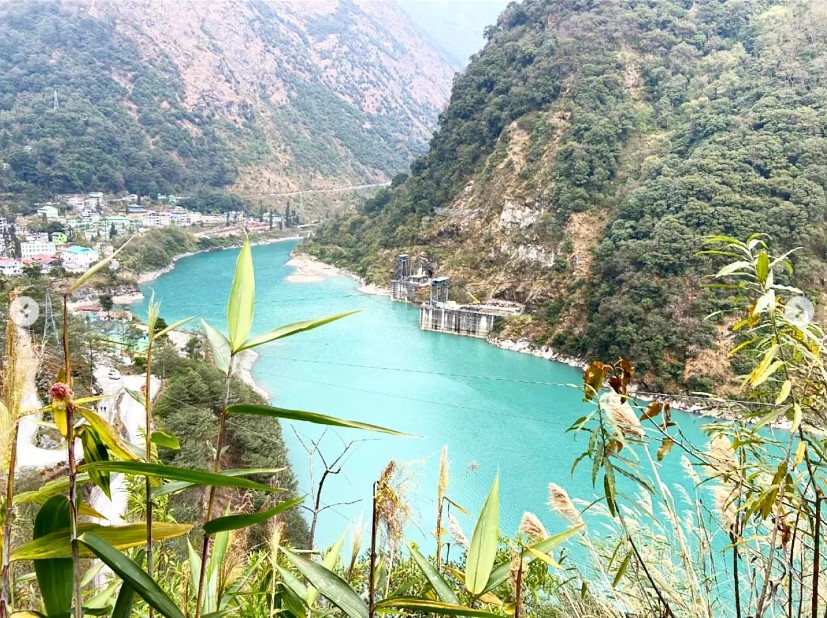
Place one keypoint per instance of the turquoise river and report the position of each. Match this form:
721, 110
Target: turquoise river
497, 411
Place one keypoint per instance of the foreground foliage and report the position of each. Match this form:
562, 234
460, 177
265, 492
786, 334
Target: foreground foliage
745, 540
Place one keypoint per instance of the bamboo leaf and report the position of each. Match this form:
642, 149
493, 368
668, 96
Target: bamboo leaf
501, 573
764, 302
621, 570
429, 607
438, 583
292, 329
132, 574
176, 486
94, 450
308, 417
786, 387
196, 477
242, 298
171, 327
543, 556
57, 544
731, 268
235, 522
762, 267
330, 585
167, 440
219, 346
126, 595
483, 549
52, 488
329, 561
107, 434
96, 268
54, 575
798, 416
764, 365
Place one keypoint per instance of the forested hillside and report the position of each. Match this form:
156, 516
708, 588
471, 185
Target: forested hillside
151, 97
589, 149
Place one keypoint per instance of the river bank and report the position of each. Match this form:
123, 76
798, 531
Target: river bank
146, 277
312, 270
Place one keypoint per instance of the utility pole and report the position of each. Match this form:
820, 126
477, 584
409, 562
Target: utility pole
55, 102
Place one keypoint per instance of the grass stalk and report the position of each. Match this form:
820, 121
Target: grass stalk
70, 439
205, 543
148, 444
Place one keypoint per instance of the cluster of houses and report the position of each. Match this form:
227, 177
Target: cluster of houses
86, 216
47, 251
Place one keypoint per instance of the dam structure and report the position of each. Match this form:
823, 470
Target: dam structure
414, 283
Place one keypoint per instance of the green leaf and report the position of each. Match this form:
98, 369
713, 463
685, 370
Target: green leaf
126, 595
501, 573
107, 434
622, 569
438, 583
732, 268
167, 440
290, 581
292, 329
132, 574
428, 607
171, 327
235, 522
330, 585
196, 477
57, 544
94, 450
308, 417
762, 267
176, 486
242, 298
54, 575
483, 549
96, 268
219, 346
52, 488
329, 562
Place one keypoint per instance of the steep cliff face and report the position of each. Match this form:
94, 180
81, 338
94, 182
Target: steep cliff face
588, 150
291, 93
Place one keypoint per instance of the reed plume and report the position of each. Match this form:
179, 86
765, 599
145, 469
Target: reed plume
560, 502
355, 546
532, 527
442, 488
621, 415
456, 532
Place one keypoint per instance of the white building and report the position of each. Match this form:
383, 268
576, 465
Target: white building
50, 212
78, 259
30, 249
10, 268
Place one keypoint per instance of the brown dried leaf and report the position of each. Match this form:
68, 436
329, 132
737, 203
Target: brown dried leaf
665, 447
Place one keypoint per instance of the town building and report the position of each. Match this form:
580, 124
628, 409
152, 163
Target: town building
10, 268
50, 213
31, 248
79, 259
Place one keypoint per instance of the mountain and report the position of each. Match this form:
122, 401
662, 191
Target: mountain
588, 150
455, 27
160, 95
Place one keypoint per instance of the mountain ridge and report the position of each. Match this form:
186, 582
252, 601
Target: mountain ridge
588, 150
288, 94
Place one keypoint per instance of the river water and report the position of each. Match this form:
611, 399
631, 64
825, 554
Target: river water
497, 411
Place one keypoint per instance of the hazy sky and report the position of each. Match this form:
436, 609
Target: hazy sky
455, 27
